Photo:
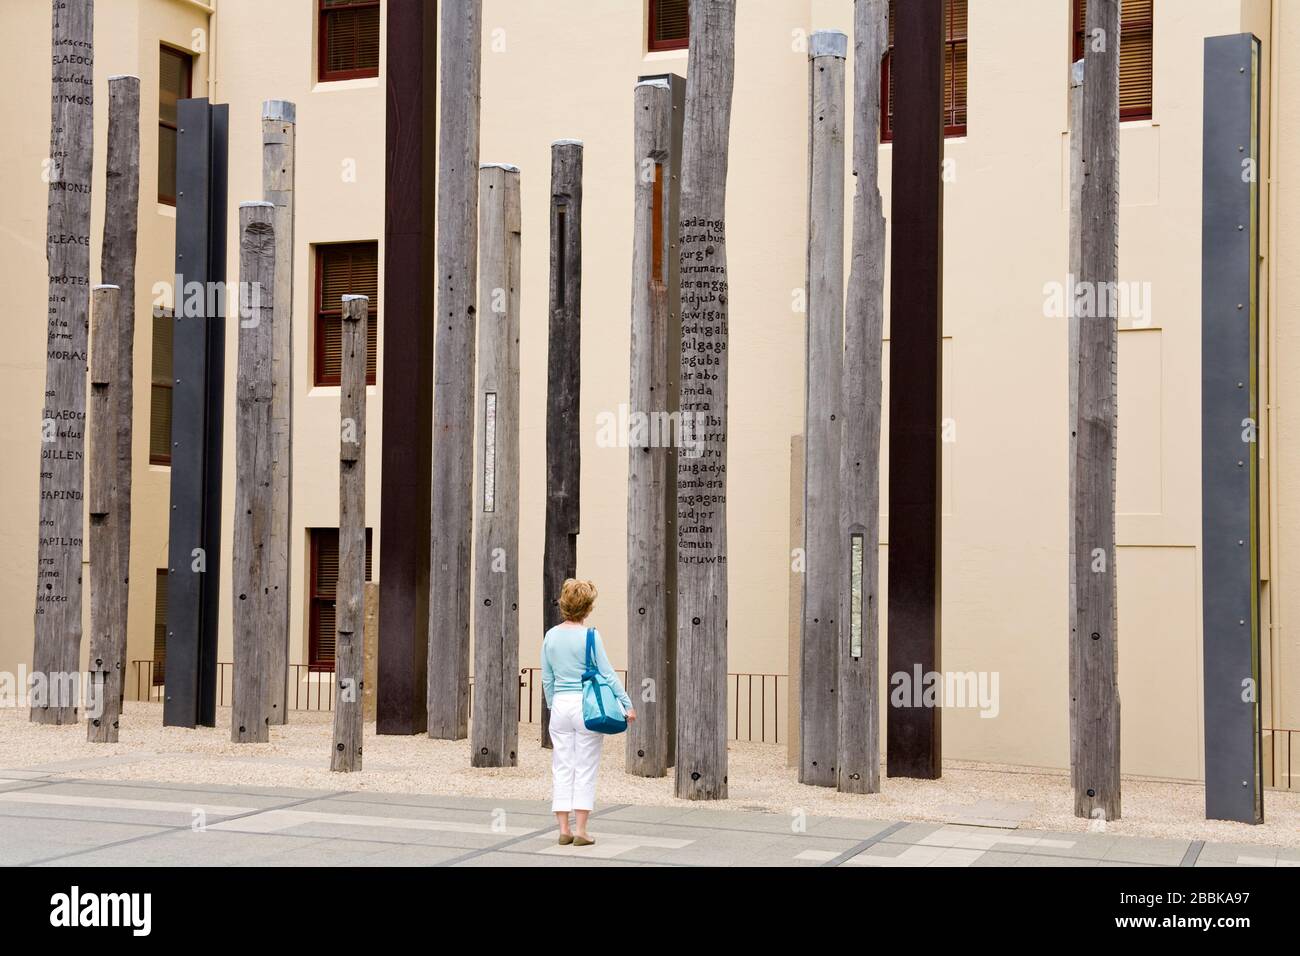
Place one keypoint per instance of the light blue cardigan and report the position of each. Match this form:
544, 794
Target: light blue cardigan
564, 660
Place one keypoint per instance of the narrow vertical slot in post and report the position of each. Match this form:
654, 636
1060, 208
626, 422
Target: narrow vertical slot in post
490, 451
657, 228
561, 245
855, 595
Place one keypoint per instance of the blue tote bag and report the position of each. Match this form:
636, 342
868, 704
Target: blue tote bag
601, 710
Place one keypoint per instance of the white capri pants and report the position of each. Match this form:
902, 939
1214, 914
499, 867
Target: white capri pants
576, 755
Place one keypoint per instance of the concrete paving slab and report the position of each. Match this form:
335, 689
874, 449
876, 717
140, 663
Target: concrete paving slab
24, 840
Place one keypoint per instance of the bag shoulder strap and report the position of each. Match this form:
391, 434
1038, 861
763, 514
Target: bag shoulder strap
591, 648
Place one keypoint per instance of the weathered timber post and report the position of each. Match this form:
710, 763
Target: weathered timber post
1072, 360
702, 467
406, 456
117, 267
494, 740
453, 390
823, 424
1094, 637
349, 593
858, 763
107, 587
1230, 428
279, 134
915, 384
254, 610
198, 410
563, 386
57, 625
652, 455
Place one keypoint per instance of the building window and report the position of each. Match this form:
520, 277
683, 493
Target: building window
344, 269
1136, 26
160, 390
175, 83
670, 24
349, 39
160, 627
954, 73
324, 581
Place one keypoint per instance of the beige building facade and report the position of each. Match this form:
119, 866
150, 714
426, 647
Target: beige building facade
566, 69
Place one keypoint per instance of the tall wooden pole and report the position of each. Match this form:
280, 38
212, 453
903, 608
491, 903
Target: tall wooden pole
349, 594
563, 386
107, 586
57, 648
1094, 638
453, 390
1075, 224
915, 385
702, 474
495, 735
117, 267
858, 763
279, 132
254, 611
823, 422
652, 456
406, 455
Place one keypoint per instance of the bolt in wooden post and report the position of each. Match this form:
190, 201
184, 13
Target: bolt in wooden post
823, 424
563, 387
858, 763
453, 389
494, 737
117, 267
279, 132
254, 611
107, 588
652, 454
349, 593
1094, 639
702, 466
57, 646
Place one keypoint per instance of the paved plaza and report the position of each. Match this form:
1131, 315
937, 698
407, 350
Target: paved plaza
51, 819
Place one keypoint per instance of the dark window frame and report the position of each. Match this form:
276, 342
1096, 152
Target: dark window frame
157, 381
1144, 26
322, 316
317, 664
184, 55
658, 46
323, 73
951, 44
159, 669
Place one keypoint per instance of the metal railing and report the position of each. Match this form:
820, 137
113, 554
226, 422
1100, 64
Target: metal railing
753, 703
753, 700
311, 689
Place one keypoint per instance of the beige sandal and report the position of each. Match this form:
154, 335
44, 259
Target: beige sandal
583, 841
566, 839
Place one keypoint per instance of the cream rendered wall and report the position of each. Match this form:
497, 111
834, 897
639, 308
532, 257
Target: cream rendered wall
565, 69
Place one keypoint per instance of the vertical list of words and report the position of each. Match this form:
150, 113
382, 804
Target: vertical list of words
702, 456
62, 474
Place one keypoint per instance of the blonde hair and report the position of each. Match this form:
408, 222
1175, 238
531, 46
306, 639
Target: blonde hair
576, 599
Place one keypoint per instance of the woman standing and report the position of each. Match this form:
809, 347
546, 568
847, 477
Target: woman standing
576, 755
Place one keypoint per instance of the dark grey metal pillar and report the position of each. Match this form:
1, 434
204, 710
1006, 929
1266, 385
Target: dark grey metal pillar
1229, 417
198, 357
